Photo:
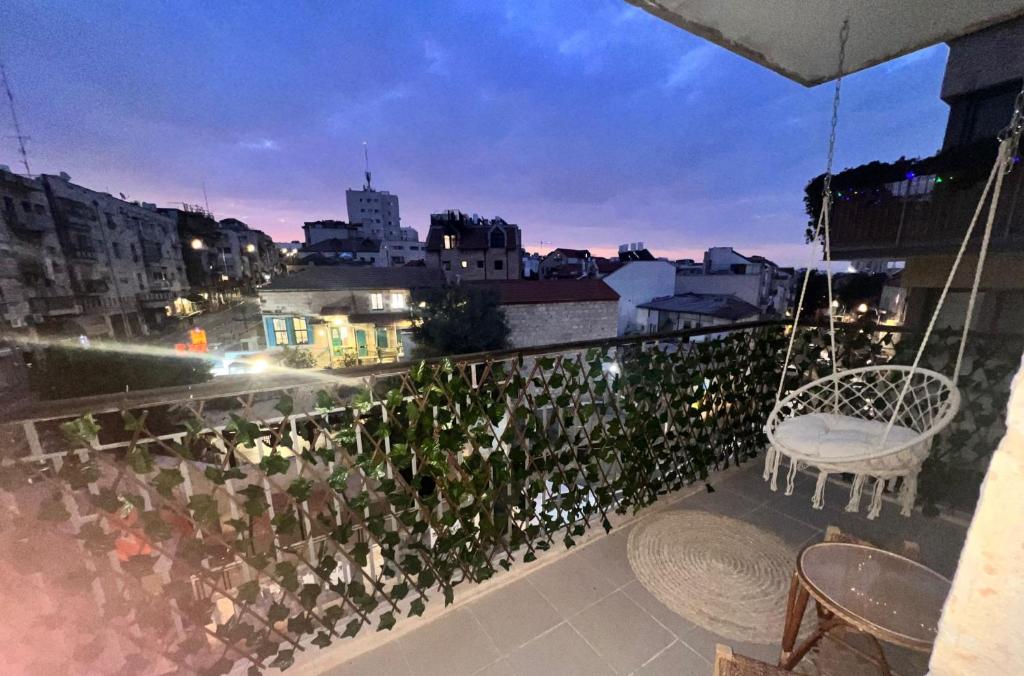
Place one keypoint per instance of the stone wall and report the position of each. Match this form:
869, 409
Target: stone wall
552, 323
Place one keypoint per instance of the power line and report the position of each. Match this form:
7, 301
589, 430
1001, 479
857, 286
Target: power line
14, 117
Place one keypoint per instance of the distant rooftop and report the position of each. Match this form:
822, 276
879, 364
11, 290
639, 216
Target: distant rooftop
526, 291
722, 306
357, 277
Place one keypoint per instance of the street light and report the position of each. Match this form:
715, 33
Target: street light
251, 248
862, 308
197, 244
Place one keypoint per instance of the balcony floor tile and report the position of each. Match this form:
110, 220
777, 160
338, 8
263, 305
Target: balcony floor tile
585, 612
622, 632
514, 614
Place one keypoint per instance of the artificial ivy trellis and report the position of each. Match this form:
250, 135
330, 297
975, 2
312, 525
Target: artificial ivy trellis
359, 515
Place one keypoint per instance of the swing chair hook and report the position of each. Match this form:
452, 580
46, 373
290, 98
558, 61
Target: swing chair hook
1012, 133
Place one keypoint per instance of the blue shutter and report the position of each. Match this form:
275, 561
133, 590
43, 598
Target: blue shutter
268, 328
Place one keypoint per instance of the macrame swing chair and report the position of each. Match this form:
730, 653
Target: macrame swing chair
875, 422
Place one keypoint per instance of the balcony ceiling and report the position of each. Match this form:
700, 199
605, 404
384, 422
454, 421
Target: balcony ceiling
799, 38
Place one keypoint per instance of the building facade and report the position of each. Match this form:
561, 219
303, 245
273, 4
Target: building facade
557, 311
470, 248
694, 311
753, 279
344, 315
639, 282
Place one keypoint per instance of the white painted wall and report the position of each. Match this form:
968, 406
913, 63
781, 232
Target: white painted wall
744, 287
637, 283
983, 619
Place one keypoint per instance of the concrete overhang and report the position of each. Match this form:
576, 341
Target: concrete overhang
799, 39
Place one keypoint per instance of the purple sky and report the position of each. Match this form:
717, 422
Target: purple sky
588, 124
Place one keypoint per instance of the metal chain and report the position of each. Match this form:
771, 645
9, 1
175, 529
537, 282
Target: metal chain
826, 192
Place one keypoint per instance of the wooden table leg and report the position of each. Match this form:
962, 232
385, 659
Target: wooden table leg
796, 604
794, 657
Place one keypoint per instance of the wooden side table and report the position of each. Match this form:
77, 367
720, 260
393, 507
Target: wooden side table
884, 595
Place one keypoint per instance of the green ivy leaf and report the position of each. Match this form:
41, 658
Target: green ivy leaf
416, 607
82, 430
387, 621
274, 463
285, 405
139, 459
285, 659
248, 592
300, 489
287, 575
352, 628
165, 481
277, 612
308, 595
204, 509
322, 640
338, 479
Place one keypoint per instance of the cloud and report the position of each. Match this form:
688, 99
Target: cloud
689, 66
577, 43
912, 58
437, 57
259, 144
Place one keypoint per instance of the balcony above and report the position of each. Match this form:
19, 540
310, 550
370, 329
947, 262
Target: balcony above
53, 306
155, 298
916, 207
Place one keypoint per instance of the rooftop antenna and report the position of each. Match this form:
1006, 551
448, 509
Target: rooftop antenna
14, 118
366, 159
206, 199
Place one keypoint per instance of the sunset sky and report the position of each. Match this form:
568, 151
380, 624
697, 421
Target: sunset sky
588, 124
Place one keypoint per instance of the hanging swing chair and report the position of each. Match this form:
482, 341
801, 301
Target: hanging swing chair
875, 422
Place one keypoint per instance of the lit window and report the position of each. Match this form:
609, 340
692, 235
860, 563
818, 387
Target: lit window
449, 241
376, 301
301, 331
280, 332
464, 264
397, 301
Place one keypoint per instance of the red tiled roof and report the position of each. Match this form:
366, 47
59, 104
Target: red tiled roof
527, 291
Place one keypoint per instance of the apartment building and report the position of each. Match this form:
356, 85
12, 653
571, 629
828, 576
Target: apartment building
470, 248
35, 289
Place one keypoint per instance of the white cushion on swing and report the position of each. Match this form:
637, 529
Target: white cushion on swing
828, 436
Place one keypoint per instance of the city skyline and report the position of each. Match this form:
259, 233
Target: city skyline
587, 128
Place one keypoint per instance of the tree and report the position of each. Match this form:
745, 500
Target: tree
458, 320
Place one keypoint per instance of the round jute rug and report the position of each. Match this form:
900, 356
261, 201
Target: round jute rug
722, 574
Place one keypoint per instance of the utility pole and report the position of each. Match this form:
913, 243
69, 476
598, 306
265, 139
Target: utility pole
14, 118
366, 160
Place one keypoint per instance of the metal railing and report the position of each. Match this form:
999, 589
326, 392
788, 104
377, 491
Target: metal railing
882, 222
264, 523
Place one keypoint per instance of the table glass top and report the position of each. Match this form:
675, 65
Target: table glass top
879, 588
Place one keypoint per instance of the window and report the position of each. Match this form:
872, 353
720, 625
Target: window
280, 332
376, 301
382, 338
449, 242
497, 238
499, 264
464, 264
301, 331
397, 300
117, 249
480, 264
447, 265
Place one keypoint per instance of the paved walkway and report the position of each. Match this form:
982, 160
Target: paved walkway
586, 613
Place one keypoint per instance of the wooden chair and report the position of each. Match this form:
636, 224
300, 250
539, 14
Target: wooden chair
729, 664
